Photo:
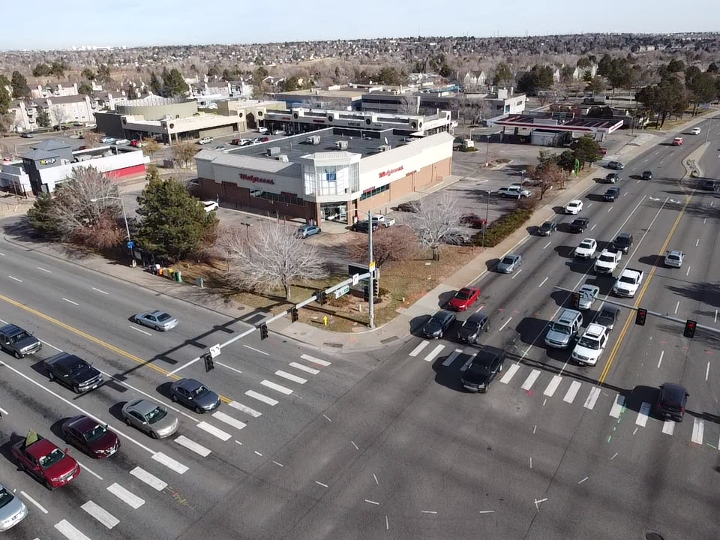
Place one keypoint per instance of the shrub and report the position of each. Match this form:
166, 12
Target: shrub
503, 227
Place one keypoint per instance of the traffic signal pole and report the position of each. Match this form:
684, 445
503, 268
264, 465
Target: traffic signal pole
371, 263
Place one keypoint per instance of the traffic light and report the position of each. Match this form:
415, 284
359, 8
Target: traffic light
640, 316
294, 315
321, 297
575, 300
209, 364
376, 288
690, 328
263, 331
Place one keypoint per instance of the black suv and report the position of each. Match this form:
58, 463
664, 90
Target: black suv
612, 178
483, 370
579, 225
364, 226
611, 194
671, 402
472, 328
73, 372
17, 341
438, 324
623, 242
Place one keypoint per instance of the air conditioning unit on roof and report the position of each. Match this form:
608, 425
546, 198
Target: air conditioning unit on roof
341, 145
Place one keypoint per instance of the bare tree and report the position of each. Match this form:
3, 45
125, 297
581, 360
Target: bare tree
60, 114
390, 245
547, 175
436, 221
184, 152
269, 256
150, 147
92, 139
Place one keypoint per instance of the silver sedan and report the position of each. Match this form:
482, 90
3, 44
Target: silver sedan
149, 417
509, 263
159, 320
12, 510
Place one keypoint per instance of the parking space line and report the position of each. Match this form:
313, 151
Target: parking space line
572, 392
417, 350
290, 377
170, 463
99, 513
451, 358
229, 420
553, 386
510, 373
433, 354
306, 369
642, 416
245, 409
618, 406
698, 430
592, 398
534, 374
261, 397
69, 531
668, 427
182, 440
125, 496
212, 430
276, 387
151, 480
314, 360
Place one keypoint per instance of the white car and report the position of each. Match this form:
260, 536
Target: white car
384, 221
574, 207
591, 345
515, 192
674, 258
210, 206
586, 249
107, 140
695, 131
205, 140
607, 262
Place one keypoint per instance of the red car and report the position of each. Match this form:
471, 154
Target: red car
464, 298
93, 438
45, 461
473, 220
603, 151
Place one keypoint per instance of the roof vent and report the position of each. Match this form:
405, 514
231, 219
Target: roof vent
274, 151
341, 145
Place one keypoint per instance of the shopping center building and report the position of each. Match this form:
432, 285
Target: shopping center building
330, 174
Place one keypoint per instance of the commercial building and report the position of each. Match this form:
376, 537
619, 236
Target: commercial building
551, 131
331, 174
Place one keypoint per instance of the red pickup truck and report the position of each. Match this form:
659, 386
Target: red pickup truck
41, 458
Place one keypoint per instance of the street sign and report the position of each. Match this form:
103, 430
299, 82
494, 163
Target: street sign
372, 266
130, 244
342, 291
355, 279
215, 351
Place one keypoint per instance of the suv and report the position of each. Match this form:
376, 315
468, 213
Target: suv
623, 242
671, 402
564, 329
17, 341
73, 372
364, 226
616, 165
513, 191
438, 324
611, 194
591, 345
472, 327
579, 225
483, 370
612, 178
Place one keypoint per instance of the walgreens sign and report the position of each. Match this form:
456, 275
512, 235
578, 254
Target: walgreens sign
383, 174
256, 179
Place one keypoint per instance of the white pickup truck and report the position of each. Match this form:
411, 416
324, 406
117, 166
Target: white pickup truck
607, 262
628, 283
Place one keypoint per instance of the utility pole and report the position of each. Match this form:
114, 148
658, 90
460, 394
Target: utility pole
371, 267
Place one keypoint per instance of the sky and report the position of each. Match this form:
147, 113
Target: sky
73, 23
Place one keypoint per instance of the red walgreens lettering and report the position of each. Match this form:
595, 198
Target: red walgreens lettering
391, 171
256, 179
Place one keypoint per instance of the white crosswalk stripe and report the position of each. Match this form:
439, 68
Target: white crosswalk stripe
277, 387
245, 409
261, 397
323, 363
618, 406
229, 420
572, 392
99, 513
306, 369
151, 480
417, 350
69, 531
451, 358
668, 427
592, 398
290, 376
642, 416
212, 430
510, 373
528, 384
553, 386
126, 496
170, 463
430, 357
698, 431
182, 440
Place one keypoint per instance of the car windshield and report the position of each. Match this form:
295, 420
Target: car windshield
627, 279
5, 497
560, 328
481, 370
199, 391
508, 260
621, 241
606, 258
546, 226
463, 294
674, 257
608, 315
163, 317
589, 343
19, 337
79, 366
51, 459
155, 415
471, 325
586, 245
95, 433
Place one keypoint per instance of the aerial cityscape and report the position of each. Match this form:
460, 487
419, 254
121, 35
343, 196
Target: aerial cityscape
398, 275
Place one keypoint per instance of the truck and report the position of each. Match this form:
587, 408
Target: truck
607, 262
628, 283
17, 341
73, 372
45, 461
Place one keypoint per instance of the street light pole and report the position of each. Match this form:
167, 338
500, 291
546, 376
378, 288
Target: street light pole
487, 151
371, 295
487, 215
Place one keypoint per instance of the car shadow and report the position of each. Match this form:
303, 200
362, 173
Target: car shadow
116, 411
164, 390
599, 180
595, 197
450, 376
6, 449
56, 428
559, 210
416, 324
532, 230
491, 264
531, 331
565, 251
561, 298
565, 228
639, 395
444, 298
39, 368
653, 260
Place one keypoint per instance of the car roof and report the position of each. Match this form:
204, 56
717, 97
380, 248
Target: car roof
673, 391
143, 406
64, 359
611, 309
188, 384
587, 287
82, 423
11, 329
581, 220
442, 314
624, 235
568, 315
675, 252
595, 329
575, 201
587, 240
155, 312
477, 317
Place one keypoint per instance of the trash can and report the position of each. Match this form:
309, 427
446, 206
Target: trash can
178, 276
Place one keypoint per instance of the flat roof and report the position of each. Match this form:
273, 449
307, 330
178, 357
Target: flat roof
345, 93
603, 125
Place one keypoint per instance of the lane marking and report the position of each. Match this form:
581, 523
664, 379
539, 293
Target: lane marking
698, 430
29, 498
592, 398
677, 306
306, 369
182, 440
170, 463
140, 330
516, 274
100, 291
229, 420
553, 386
591, 228
314, 360
245, 409
534, 374
71, 302
321, 484
256, 350
504, 325
276, 387
16, 279
453, 355
228, 367
430, 357
697, 242
548, 244
642, 416
99, 513
662, 353
260, 397
417, 350
668, 427
151, 480
543, 282
707, 371
688, 271
572, 392
618, 406
126, 496
212, 430
88, 470
510, 373
69, 532
290, 377
44, 269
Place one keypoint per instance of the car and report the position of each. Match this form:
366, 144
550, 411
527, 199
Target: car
17, 341
677, 141
438, 324
12, 509
607, 262
150, 418
590, 346
210, 206
695, 131
407, 207
708, 185
607, 316
603, 151
262, 130
159, 320
616, 165
671, 402
308, 230
45, 461
623, 242
206, 140
612, 178
473, 220
90, 436
586, 249
573, 207
483, 370
384, 221
547, 228
122, 142
279, 132
628, 283
509, 263
73, 372
472, 327
220, 147
588, 295
27, 135
107, 140
364, 226
673, 259
464, 298
246, 142
457, 238
579, 225
612, 194
564, 329
646, 175
515, 192
195, 395
236, 142
137, 143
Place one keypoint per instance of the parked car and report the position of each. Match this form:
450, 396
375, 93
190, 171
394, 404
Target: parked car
607, 316
210, 206
206, 140
646, 175
603, 151
195, 395
547, 228
615, 165
73, 372
515, 192
122, 142
438, 324
464, 298
472, 327
12, 509
45, 461
90, 436
159, 320
384, 221
150, 418
407, 207
573, 207
220, 147
136, 143
308, 230
579, 225
27, 135
17, 341
509, 263
107, 140
673, 258
364, 226
483, 370
671, 402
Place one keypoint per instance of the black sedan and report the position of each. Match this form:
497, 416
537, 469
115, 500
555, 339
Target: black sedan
91, 437
195, 395
646, 175
471, 329
579, 225
438, 324
608, 316
547, 228
708, 185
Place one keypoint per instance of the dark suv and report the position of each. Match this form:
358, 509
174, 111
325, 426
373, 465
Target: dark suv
73, 372
623, 242
364, 226
579, 225
483, 370
17, 341
671, 402
438, 324
611, 194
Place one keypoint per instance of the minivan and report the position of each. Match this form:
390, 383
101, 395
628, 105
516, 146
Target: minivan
564, 329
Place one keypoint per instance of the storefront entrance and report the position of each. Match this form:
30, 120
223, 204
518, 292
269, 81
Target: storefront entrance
334, 212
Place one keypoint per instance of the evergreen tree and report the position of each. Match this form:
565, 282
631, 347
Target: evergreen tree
43, 219
5, 97
173, 83
155, 85
20, 88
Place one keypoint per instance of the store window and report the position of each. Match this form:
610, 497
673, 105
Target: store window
376, 191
